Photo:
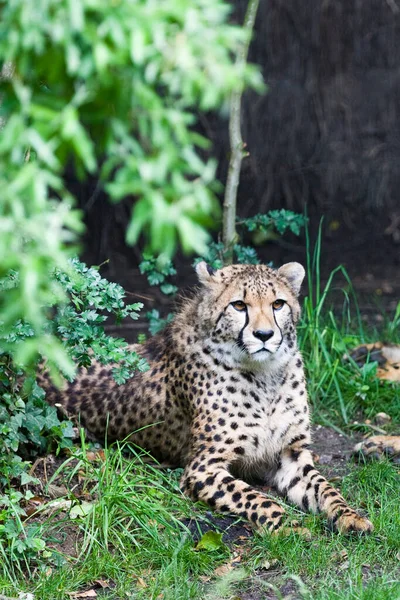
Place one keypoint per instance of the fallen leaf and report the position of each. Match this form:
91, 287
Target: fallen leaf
268, 564
34, 505
95, 455
87, 594
56, 491
386, 355
81, 510
344, 566
140, 582
223, 569
103, 583
210, 541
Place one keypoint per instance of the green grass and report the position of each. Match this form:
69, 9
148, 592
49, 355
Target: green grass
341, 563
339, 390
131, 532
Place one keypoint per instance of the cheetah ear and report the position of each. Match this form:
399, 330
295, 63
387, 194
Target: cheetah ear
205, 273
294, 273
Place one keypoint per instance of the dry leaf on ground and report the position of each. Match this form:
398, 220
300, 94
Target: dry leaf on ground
228, 566
86, 594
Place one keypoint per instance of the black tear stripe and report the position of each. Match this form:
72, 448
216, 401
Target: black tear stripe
280, 330
240, 336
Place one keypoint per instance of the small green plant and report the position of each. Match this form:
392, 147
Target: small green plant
394, 324
80, 321
279, 221
19, 543
156, 322
76, 324
158, 270
28, 425
276, 220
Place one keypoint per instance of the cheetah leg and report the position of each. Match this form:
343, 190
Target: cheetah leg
221, 491
378, 446
303, 485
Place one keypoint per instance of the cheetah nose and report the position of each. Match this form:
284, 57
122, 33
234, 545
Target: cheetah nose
263, 335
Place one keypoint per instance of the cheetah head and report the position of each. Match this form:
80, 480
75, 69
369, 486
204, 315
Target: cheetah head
251, 310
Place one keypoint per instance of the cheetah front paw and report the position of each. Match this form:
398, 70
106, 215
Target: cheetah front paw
269, 518
352, 522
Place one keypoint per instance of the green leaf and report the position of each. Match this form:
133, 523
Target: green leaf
210, 542
81, 510
26, 478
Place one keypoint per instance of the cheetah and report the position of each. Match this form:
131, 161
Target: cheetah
225, 398
378, 446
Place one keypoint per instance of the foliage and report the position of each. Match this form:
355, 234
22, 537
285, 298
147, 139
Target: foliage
279, 220
109, 86
19, 542
28, 425
158, 270
215, 255
156, 322
76, 324
80, 321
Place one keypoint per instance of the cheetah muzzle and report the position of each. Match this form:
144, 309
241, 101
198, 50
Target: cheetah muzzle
227, 396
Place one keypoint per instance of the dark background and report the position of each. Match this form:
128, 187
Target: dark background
326, 136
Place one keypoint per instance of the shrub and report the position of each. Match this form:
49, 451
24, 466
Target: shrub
109, 86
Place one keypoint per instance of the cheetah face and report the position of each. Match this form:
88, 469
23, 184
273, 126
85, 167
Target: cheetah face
252, 309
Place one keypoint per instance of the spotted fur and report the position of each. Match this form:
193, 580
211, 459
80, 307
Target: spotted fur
225, 397
378, 446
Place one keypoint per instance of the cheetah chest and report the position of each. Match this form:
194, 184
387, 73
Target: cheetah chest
257, 422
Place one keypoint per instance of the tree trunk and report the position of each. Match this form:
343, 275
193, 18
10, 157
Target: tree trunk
236, 144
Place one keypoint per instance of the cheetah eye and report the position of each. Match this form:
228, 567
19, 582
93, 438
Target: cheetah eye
278, 304
238, 305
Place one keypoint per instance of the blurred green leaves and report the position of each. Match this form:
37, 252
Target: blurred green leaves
109, 87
